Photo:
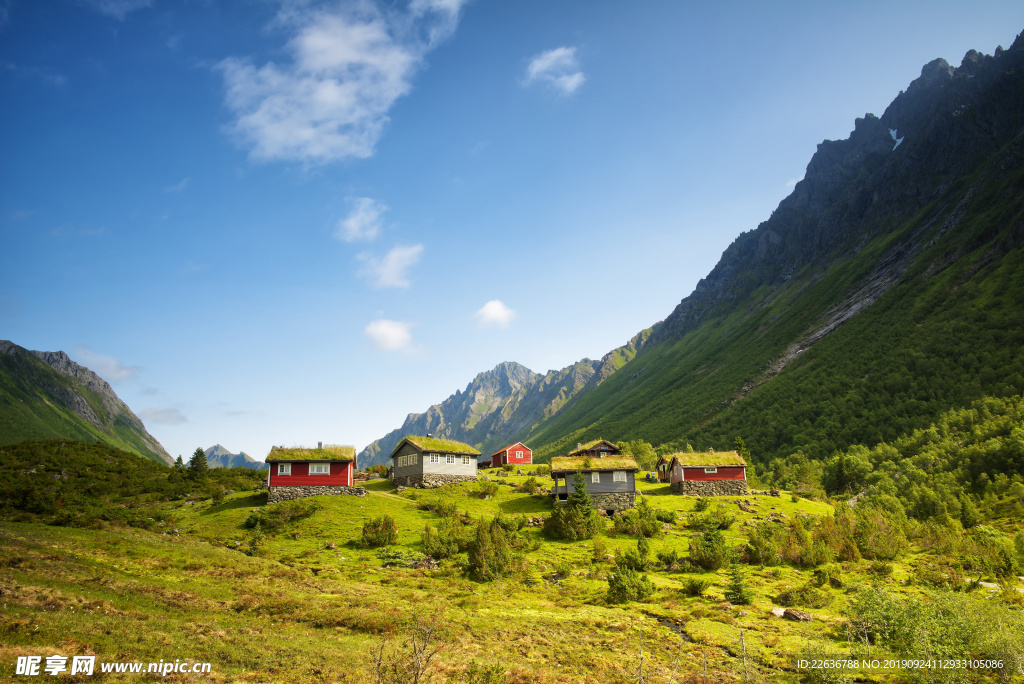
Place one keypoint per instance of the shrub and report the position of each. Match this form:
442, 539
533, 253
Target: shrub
696, 586
445, 507
529, 487
399, 557
490, 555
576, 519
665, 516
806, 597
635, 560
378, 532
508, 467
510, 524
880, 568
719, 519
738, 593
762, 546
708, 550
275, 517
628, 585
701, 504
543, 469
599, 551
830, 575
446, 540
669, 559
486, 490
639, 521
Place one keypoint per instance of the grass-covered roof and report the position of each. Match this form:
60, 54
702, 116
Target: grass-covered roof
443, 446
563, 464
591, 445
708, 458
330, 452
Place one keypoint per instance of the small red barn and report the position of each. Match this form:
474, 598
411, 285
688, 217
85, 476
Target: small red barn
299, 472
710, 473
513, 454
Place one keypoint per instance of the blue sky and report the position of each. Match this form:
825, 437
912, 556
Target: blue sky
288, 222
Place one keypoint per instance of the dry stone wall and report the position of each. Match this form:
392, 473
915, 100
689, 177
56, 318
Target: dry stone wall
288, 493
614, 501
711, 488
431, 480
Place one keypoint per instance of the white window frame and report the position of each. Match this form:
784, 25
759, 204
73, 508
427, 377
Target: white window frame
595, 477
519, 454
319, 468
619, 476
435, 458
284, 468
465, 460
450, 460
711, 470
411, 459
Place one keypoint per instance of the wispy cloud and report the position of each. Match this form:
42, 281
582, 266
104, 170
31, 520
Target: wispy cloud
390, 335
495, 313
348, 66
67, 230
363, 222
107, 367
179, 186
44, 75
390, 271
166, 416
558, 68
119, 9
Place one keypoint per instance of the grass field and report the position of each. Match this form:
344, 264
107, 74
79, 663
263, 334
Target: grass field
310, 605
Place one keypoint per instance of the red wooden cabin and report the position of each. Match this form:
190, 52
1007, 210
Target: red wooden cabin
707, 466
330, 466
513, 454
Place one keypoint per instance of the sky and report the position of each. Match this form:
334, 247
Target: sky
283, 222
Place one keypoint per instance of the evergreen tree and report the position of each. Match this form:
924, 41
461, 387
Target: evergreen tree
738, 593
197, 466
179, 464
580, 497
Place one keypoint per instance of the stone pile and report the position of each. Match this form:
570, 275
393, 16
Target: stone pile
288, 493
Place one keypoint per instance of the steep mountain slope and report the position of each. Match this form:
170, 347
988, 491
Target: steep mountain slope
883, 291
219, 457
501, 405
47, 395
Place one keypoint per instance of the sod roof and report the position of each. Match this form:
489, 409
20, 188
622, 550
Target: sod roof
708, 458
590, 445
330, 452
436, 444
570, 464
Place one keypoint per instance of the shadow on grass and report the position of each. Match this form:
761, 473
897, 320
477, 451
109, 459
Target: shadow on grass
257, 499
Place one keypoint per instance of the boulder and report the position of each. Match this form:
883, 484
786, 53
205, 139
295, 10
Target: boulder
797, 615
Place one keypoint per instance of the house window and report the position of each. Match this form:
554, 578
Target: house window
451, 459
595, 478
619, 476
284, 468
711, 470
319, 468
435, 458
519, 454
465, 460
413, 459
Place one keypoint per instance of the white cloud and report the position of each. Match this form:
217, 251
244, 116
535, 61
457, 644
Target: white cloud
119, 9
179, 186
107, 367
390, 271
495, 313
363, 222
559, 68
168, 416
390, 335
348, 67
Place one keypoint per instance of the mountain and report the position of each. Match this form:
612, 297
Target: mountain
46, 395
501, 405
882, 292
219, 457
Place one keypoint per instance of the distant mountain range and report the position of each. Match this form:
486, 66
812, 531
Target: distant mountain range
47, 395
885, 290
219, 457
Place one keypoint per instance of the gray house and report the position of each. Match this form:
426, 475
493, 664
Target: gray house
432, 462
610, 477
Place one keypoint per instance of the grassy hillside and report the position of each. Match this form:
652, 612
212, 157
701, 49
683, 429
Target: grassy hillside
287, 592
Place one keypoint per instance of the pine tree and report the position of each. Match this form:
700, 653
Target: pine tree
197, 466
738, 593
179, 464
580, 497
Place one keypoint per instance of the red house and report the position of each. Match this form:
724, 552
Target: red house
513, 454
300, 472
711, 473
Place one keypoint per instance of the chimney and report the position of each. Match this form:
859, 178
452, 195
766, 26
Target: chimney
320, 445
429, 435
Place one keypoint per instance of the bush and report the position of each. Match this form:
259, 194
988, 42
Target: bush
719, 519
665, 516
701, 504
529, 487
508, 467
576, 519
696, 586
669, 559
378, 532
806, 597
635, 560
628, 585
445, 507
510, 524
762, 545
275, 517
490, 555
599, 551
708, 550
639, 521
738, 593
448, 539
543, 469
830, 575
486, 490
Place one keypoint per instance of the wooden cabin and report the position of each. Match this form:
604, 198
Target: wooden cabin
708, 473
299, 472
611, 480
432, 462
514, 454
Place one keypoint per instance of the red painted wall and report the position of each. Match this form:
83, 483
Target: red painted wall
341, 476
724, 473
509, 456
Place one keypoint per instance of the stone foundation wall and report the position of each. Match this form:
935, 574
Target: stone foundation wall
711, 488
617, 501
431, 480
288, 493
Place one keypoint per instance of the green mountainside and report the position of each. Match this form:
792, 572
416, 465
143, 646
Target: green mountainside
46, 395
882, 292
